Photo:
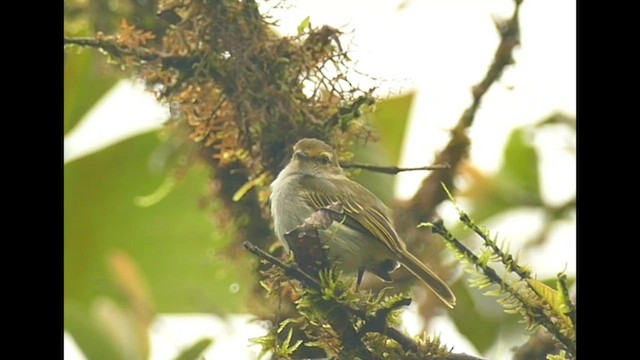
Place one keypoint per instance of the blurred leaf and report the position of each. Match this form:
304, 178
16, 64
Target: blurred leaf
128, 278
244, 189
519, 171
160, 193
516, 184
481, 330
194, 351
84, 84
559, 118
122, 328
107, 330
89, 337
174, 243
390, 119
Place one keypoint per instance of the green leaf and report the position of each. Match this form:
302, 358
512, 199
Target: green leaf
123, 327
174, 243
286, 348
304, 25
195, 351
515, 185
267, 343
552, 296
519, 171
390, 119
84, 84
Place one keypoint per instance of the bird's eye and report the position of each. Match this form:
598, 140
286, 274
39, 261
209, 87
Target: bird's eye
325, 160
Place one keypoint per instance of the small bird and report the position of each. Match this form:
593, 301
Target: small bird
313, 179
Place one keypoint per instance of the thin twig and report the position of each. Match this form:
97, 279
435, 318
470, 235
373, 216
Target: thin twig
393, 169
88, 42
290, 270
110, 46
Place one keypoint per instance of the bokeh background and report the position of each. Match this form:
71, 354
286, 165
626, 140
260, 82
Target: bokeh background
145, 269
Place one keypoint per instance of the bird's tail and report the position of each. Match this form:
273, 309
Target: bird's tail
433, 282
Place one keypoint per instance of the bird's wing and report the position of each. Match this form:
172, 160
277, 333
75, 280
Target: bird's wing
368, 212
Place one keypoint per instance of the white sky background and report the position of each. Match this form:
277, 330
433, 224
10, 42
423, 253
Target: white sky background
439, 48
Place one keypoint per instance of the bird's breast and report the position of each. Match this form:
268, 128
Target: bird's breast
289, 208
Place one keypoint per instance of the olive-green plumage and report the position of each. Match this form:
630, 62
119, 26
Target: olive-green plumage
366, 240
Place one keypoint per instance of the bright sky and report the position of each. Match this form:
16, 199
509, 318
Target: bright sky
439, 48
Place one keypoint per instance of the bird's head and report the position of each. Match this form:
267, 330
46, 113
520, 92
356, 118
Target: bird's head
314, 157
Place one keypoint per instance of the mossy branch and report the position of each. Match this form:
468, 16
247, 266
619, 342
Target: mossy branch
336, 311
353, 316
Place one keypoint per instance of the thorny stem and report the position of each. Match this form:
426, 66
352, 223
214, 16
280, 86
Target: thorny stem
439, 228
506, 259
511, 265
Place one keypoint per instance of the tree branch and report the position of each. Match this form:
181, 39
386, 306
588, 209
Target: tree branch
429, 195
110, 46
291, 271
537, 313
295, 272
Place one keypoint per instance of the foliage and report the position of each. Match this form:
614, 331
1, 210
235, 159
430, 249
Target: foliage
342, 322
124, 263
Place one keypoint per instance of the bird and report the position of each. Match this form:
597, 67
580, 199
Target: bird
366, 240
